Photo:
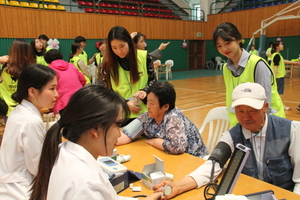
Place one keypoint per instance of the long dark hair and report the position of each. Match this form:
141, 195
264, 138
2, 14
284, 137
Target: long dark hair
89, 107
34, 50
110, 64
20, 56
74, 48
274, 46
228, 32
36, 76
137, 36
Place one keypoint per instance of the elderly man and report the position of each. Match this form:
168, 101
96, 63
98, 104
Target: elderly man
275, 155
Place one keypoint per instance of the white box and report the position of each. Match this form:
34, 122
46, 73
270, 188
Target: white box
154, 173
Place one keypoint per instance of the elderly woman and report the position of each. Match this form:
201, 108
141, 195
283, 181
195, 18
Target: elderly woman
164, 126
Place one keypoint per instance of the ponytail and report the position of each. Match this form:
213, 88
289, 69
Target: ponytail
48, 156
274, 45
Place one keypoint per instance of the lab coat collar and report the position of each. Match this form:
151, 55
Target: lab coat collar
31, 107
82, 154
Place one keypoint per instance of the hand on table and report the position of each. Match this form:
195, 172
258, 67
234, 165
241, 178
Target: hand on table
162, 184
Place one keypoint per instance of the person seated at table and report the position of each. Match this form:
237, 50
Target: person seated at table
164, 125
274, 142
90, 123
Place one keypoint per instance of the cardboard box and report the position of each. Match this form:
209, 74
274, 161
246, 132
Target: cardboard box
122, 182
153, 173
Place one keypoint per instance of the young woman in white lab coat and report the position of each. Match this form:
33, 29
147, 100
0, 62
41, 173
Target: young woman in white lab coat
90, 123
25, 131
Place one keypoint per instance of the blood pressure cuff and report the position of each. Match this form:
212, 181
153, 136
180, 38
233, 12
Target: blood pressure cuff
134, 129
221, 153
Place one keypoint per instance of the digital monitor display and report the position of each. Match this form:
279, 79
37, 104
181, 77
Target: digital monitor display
233, 170
109, 162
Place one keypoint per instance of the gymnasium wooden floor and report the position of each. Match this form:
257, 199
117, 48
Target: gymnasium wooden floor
196, 96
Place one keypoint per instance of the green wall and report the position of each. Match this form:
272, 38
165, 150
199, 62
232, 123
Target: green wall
64, 46
173, 50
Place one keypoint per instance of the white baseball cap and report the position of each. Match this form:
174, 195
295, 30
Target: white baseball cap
249, 94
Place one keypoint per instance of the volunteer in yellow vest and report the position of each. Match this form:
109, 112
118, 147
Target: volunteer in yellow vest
39, 51
101, 46
243, 67
127, 70
269, 53
78, 62
253, 50
44, 39
278, 66
140, 43
98, 58
20, 56
83, 55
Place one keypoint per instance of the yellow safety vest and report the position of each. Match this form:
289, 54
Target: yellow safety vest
7, 87
74, 61
125, 89
40, 60
248, 75
280, 68
270, 56
83, 56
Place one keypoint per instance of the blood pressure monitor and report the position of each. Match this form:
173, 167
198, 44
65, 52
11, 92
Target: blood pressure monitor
111, 166
235, 166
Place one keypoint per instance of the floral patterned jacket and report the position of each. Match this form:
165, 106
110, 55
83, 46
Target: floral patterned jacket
179, 133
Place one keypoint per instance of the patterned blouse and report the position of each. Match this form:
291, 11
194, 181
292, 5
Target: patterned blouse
179, 133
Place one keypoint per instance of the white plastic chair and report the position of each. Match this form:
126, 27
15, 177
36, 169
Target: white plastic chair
50, 119
92, 69
156, 69
169, 64
218, 121
220, 62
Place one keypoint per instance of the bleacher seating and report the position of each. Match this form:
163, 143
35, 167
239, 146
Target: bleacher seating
142, 8
60, 7
24, 4
14, 3
251, 4
36, 4
145, 8
33, 5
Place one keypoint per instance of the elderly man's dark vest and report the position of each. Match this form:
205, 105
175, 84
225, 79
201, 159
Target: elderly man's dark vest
277, 166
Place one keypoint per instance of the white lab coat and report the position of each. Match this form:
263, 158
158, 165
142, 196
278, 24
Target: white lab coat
76, 175
20, 151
